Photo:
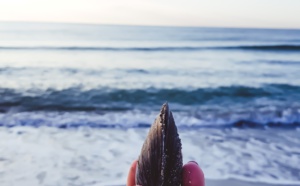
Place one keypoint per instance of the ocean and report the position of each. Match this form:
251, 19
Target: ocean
77, 100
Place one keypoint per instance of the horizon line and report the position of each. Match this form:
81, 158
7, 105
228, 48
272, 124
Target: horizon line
148, 25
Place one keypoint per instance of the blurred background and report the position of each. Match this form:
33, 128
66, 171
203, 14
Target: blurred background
81, 83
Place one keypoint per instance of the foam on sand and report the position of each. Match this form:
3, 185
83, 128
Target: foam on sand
85, 156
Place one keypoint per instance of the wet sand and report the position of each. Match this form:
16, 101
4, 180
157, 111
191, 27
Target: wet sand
232, 182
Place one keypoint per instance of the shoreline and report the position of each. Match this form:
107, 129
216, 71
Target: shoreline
228, 182
235, 182
100, 157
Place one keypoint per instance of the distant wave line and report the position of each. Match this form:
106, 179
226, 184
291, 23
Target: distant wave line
162, 48
74, 99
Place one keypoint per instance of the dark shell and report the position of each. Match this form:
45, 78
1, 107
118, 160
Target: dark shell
160, 161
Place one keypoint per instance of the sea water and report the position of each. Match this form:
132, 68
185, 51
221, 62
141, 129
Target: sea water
76, 100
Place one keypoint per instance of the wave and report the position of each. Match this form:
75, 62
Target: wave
40, 123
144, 119
270, 47
154, 49
105, 99
272, 62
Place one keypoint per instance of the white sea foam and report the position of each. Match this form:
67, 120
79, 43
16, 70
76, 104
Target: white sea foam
143, 118
85, 156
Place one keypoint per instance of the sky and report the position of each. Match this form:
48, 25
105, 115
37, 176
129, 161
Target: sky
215, 13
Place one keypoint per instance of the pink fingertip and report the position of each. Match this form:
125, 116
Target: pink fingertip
192, 175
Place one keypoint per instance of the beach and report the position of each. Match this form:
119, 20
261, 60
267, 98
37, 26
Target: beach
239, 183
77, 100
103, 156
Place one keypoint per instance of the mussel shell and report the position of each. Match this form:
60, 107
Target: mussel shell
160, 161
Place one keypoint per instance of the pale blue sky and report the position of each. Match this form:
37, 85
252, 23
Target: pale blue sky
223, 13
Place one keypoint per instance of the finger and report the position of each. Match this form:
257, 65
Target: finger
192, 175
131, 174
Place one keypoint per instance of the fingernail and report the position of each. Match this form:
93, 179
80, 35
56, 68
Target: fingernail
193, 162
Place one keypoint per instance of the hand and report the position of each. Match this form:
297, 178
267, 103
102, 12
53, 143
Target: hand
192, 175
